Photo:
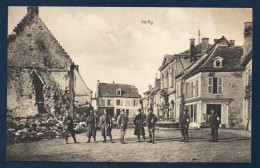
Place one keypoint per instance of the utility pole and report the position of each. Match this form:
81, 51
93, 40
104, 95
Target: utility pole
71, 89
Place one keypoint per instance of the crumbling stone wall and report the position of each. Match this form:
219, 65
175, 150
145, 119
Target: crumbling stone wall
20, 93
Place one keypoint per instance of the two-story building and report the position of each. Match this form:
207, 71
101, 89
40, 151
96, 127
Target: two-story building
214, 81
114, 97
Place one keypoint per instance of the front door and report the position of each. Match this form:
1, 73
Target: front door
216, 107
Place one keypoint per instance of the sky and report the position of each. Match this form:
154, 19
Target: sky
114, 44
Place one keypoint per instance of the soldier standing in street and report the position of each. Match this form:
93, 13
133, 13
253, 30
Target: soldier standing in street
184, 124
139, 122
214, 124
68, 127
122, 124
92, 124
106, 126
151, 120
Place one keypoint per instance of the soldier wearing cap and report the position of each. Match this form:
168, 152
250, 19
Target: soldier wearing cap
68, 127
214, 124
184, 124
106, 126
122, 124
92, 125
151, 120
139, 122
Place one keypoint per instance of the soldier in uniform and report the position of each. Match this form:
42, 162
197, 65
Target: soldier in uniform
214, 124
68, 127
151, 120
106, 126
184, 124
92, 124
122, 124
139, 122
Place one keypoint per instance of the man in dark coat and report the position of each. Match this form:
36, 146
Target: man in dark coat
214, 124
151, 120
106, 126
122, 124
184, 125
68, 127
92, 125
139, 122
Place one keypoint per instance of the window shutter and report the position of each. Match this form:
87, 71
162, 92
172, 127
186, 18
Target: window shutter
210, 85
102, 102
112, 102
191, 89
220, 84
197, 88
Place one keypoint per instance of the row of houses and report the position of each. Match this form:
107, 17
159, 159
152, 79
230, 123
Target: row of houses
206, 76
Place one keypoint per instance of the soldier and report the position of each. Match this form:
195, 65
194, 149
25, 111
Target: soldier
92, 124
214, 124
151, 120
139, 122
106, 126
122, 124
68, 127
184, 124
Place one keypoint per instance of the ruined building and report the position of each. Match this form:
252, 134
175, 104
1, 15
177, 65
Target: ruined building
38, 70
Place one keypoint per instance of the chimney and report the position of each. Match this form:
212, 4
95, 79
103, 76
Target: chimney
205, 44
150, 87
113, 82
248, 35
97, 81
33, 10
192, 49
232, 43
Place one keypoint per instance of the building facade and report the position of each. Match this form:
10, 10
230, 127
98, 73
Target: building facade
114, 97
38, 70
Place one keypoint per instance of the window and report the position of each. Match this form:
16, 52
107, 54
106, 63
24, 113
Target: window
118, 92
102, 103
215, 85
118, 102
218, 62
109, 102
178, 93
191, 89
197, 87
187, 90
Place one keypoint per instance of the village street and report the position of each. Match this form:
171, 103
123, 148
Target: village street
232, 147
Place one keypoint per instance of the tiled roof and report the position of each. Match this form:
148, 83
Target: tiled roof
231, 57
109, 90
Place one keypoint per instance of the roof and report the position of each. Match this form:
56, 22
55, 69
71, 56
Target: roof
169, 58
109, 90
231, 56
198, 49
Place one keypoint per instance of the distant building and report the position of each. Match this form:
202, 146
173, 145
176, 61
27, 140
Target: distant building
114, 97
38, 70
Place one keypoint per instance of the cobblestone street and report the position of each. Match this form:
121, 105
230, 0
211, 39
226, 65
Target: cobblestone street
231, 147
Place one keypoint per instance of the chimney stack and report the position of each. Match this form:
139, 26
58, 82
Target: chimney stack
192, 49
248, 35
205, 44
113, 82
232, 43
150, 87
33, 11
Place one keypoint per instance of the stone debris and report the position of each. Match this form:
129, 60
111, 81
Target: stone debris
35, 128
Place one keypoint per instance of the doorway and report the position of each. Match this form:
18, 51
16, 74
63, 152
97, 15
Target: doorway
215, 107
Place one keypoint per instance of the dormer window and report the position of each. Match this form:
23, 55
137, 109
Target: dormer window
118, 92
218, 62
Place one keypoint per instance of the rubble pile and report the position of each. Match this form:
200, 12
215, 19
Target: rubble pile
33, 128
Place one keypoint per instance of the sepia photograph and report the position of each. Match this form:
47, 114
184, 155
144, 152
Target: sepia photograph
129, 84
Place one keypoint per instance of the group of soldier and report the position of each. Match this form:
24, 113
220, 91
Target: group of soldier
140, 121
